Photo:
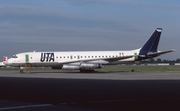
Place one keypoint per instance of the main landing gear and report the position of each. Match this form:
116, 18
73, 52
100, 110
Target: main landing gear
86, 70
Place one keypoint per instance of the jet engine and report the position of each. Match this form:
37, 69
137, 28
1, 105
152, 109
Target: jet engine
81, 66
70, 67
90, 66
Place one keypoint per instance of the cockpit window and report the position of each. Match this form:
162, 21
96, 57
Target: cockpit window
14, 56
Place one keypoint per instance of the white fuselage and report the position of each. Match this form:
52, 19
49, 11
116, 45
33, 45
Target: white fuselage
38, 59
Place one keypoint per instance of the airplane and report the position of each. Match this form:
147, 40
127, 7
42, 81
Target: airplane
2, 64
86, 61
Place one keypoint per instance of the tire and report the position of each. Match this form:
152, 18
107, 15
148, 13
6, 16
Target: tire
21, 71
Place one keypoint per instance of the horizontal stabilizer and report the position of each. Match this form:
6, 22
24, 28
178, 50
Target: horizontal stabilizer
155, 54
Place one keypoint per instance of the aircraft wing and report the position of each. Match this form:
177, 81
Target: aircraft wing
112, 59
155, 54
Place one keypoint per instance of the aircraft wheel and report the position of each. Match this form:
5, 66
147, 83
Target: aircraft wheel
21, 71
82, 70
90, 70
87, 71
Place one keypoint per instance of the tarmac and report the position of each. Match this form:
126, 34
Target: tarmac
94, 76
73, 91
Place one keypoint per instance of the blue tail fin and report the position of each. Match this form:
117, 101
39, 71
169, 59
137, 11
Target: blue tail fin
152, 44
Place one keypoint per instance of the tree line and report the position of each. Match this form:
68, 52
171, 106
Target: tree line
159, 60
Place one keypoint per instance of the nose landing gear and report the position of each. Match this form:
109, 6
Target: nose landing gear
25, 69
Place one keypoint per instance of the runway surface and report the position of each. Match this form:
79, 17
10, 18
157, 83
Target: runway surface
72, 91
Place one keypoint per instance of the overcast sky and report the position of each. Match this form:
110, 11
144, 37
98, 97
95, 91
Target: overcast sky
60, 25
